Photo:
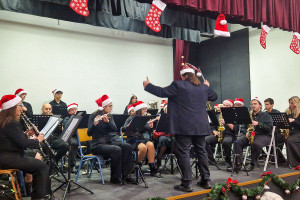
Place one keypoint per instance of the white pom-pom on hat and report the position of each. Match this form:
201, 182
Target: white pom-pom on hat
223, 22
199, 74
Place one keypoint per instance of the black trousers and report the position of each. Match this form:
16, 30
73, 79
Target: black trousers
121, 157
73, 152
184, 143
33, 166
260, 141
227, 144
293, 149
211, 142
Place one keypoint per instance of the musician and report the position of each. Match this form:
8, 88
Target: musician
269, 104
163, 103
72, 110
293, 141
133, 100
58, 145
130, 109
144, 145
106, 142
188, 121
263, 124
26, 106
13, 141
57, 102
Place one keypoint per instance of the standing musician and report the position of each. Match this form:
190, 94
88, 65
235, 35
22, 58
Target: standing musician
133, 100
106, 142
188, 121
262, 124
144, 145
293, 141
26, 106
57, 102
13, 141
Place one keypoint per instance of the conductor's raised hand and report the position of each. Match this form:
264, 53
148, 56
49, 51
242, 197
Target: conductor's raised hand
206, 83
146, 82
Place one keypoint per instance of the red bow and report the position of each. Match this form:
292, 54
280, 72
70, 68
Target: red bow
266, 173
298, 167
253, 133
229, 180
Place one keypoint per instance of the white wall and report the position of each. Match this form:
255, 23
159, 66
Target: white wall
274, 71
84, 61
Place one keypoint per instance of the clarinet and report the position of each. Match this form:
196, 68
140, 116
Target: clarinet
29, 125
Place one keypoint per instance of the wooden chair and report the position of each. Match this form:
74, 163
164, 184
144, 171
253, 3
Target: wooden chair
14, 181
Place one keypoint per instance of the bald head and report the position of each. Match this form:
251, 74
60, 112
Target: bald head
47, 109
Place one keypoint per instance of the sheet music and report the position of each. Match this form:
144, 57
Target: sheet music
209, 120
69, 130
50, 126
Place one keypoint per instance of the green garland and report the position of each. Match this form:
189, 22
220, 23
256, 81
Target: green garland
219, 190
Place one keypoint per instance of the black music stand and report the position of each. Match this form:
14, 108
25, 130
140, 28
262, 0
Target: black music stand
236, 116
57, 110
152, 111
67, 134
119, 120
137, 125
163, 126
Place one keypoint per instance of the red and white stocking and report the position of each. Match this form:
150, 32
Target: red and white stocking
295, 43
80, 6
264, 32
152, 18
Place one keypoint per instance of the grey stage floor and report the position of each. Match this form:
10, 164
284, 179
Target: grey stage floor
162, 187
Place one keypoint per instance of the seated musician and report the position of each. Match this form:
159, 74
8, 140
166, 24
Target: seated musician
13, 141
58, 145
130, 109
26, 106
72, 110
106, 142
133, 100
262, 124
144, 145
293, 141
163, 103
57, 102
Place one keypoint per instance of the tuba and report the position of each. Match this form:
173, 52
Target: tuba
250, 130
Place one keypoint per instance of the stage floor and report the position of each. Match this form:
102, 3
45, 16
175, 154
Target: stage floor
158, 187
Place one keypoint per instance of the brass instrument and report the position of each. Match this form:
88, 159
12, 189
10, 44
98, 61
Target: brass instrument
221, 128
153, 104
285, 133
250, 130
208, 105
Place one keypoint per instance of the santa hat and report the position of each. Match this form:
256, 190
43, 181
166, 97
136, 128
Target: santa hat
231, 102
216, 106
163, 103
239, 100
20, 91
130, 108
187, 67
139, 105
9, 101
221, 28
103, 101
72, 105
56, 90
257, 99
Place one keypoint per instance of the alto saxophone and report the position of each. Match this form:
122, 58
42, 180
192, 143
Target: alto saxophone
250, 130
221, 128
285, 132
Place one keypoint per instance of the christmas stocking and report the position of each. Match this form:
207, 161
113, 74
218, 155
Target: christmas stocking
295, 43
152, 18
80, 6
264, 32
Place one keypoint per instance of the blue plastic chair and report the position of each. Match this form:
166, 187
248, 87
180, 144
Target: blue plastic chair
83, 137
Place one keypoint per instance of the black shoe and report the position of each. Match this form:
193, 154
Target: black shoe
184, 188
229, 166
130, 180
250, 167
28, 187
116, 181
153, 170
73, 170
205, 184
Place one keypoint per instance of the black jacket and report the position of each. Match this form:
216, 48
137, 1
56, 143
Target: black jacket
265, 123
186, 106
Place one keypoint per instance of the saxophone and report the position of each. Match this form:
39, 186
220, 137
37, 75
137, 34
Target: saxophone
208, 106
221, 128
250, 130
285, 132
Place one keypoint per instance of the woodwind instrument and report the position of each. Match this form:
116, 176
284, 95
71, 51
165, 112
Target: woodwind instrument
250, 130
208, 106
221, 128
30, 125
101, 117
285, 132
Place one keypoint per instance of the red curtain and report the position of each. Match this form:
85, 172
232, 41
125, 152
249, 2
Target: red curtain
182, 49
284, 14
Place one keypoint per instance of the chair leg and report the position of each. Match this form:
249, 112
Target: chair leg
246, 155
79, 168
13, 183
100, 169
91, 167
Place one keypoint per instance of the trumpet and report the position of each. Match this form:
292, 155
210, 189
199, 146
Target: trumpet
250, 130
30, 125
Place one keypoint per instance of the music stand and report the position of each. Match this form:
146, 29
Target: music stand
67, 134
163, 126
137, 125
236, 116
58, 110
119, 120
152, 111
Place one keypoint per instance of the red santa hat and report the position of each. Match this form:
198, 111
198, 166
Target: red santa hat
72, 105
239, 100
20, 91
9, 101
257, 99
216, 106
163, 103
130, 108
221, 28
229, 101
139, 105
187, 67
56, 90
103, 101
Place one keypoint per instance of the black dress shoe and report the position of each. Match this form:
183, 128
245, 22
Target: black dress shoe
250, 167
184, 188
205, 184
73, 170
116, 181
130, 180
